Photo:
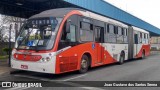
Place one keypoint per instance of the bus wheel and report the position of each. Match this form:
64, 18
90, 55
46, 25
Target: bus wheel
143, 55
84, 64
121, 59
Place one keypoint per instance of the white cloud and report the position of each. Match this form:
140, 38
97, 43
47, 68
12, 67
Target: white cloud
147, 10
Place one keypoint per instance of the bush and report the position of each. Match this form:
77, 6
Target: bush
3, 57
7, 50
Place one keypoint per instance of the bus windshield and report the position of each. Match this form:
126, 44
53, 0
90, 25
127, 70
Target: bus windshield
37, 34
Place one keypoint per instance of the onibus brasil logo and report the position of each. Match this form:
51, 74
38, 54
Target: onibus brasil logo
20, 84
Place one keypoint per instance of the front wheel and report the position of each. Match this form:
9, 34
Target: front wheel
84, 64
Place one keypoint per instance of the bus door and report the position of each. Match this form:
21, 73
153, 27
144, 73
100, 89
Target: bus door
99, 39
136, 44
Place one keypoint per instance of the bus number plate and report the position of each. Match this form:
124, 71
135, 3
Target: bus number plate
24, 66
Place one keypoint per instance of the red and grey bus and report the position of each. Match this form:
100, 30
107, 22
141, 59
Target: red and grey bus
69, 39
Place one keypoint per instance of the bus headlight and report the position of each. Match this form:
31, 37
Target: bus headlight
45, 59
48, 59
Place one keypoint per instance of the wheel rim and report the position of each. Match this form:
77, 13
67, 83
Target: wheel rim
84, 63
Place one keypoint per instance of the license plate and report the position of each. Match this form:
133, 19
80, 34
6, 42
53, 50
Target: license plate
24, 66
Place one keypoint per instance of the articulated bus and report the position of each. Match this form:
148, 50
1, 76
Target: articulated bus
70, 39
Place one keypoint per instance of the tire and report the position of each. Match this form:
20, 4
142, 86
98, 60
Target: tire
121, 59
143, 55
84, 64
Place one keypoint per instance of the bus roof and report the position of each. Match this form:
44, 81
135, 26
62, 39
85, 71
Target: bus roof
60, 12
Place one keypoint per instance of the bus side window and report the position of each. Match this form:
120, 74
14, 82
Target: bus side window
111, 29
99, 34
144, 36
68, 37
86, 31
145, 39
122, 31
120, 34
72, 35
140, 37
148, 38
106, 34
126, 32
136, 38
125, 35
115, 30
112, 33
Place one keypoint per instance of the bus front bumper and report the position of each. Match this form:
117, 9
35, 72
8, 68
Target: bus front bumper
43, 67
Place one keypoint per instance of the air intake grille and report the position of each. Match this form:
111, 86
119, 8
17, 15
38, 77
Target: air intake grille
68, 63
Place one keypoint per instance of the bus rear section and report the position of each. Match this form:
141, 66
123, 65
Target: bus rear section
141, 43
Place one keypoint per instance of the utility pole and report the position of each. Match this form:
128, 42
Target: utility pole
9, 60
16, 30
1, 35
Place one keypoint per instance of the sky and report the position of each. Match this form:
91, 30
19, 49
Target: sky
147, 10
